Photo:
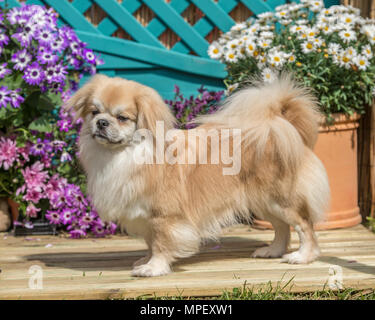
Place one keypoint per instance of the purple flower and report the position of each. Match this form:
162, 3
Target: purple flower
89, 56
4, 40
16, 99
47, 57
67, 216
86, 221
46, 37
4, 97
65, 157
21, 59
99, 229
14, 15
8, 153
77, 233
53, 217
23, 37
33, 194
4, 71
34, 74
32, 211
34, 176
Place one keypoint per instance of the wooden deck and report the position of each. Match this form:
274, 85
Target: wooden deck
100, 268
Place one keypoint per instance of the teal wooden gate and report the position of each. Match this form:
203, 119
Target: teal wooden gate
144, 58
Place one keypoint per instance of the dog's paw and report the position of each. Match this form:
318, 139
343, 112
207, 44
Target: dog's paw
141, 261
150, 270
297, 257
268, 252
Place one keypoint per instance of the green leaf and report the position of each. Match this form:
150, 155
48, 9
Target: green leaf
41, 124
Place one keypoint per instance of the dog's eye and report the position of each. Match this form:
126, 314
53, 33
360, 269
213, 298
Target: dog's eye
121, 118
95, 112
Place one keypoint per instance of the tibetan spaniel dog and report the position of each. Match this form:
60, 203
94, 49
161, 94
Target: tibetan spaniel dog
174, 204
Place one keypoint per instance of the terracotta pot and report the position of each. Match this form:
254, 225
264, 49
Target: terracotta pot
337, 149
13, 209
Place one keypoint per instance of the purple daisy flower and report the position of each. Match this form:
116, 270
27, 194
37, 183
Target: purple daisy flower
46, 37
67, 216
58, 45
4, 71
66, 157
34, 74
99, 230
53, 217
33, 194
14, 16
23, 37
4, 97
4, 40
16, 99
77, 233
21, 59
86, 221
89, 56
47, 57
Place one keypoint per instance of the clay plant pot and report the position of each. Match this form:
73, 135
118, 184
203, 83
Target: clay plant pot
337, 149
13, 209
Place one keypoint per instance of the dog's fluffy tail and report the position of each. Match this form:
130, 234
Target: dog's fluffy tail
282, 113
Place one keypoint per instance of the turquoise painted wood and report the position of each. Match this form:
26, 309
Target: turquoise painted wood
144, 58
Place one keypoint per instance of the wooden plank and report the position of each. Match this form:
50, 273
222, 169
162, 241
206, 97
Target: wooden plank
179, 26
127, 22
257, 6
100, 268
215, 13
161, 57
70, 14
82, 5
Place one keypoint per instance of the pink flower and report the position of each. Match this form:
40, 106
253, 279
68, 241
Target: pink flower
32, 211
8, 153
34, 176
33, 195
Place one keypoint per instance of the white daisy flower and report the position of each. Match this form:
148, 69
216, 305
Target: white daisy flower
348, 20
264, 43
334, 48
268, 75
285, 22
361, 61
350, 52
233, 44
265, 16
347, 35
238, 27
297, 29
214, 51
267, 35
250, 47
366, 51
307, 47
316, 5
276, 58
231, 56
345, 61
282, 14
231, 88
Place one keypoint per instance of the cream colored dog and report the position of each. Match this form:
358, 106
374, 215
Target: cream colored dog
173, 206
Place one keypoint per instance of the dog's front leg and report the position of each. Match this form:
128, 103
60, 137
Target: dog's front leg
159, 258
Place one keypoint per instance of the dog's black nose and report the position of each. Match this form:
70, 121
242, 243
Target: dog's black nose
101, 124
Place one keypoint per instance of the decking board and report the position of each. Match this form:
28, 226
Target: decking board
100, 268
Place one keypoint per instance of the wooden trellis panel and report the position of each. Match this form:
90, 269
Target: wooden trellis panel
157, 42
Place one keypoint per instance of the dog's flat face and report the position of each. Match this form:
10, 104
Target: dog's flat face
112, 116
114, 108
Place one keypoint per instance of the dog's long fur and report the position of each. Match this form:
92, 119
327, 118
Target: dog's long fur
174, 207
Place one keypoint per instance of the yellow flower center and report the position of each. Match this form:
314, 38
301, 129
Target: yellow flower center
231, 56
348, 20
251, 47
309, 46
216, 50
345, 59
346, 34
362, 62
277, 59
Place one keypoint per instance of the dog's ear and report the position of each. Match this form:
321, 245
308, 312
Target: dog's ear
79, 100
151, 108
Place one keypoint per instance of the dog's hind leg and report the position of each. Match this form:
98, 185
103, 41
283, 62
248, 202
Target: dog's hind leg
302, 224
280, 243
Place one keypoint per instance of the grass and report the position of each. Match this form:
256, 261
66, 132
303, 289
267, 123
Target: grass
277, 292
